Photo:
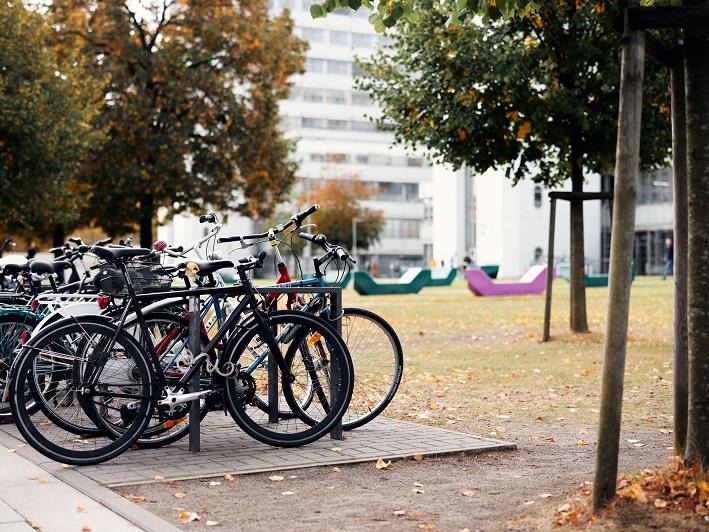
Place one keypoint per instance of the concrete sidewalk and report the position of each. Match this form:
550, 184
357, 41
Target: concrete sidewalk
36, 490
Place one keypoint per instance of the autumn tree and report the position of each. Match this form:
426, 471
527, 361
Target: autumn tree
190, 106
340, 202
536, 95
46, 111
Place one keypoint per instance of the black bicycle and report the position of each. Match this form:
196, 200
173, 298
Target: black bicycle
111, 387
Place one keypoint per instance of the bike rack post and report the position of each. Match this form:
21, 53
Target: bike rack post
195, 318
336, 307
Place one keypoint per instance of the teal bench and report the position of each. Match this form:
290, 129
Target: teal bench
595, 280
442, 276
410, 283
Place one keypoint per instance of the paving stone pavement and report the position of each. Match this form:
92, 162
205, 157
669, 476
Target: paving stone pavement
225, 449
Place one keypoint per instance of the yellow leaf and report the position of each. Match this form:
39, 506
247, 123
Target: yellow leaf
43, 480
336, 449
703, 485
550, 438
381, 464
188, 517
229, 478
399, 512
336, 469
133, 497
417, 456
659, 503
468, 494
158, 478
215, 484
276, 478
180, 495
524, 129
581, 442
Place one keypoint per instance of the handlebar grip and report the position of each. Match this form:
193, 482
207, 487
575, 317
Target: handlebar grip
83, 248
298, 218
223, 239
75, 240
315, 239
208, 218
104, 241
56, 250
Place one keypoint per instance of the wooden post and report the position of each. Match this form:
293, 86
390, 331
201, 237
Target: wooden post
621, 257
550, 270
679, 164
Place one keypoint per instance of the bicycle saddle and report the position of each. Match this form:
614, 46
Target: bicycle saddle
208, 267
113, 254
42, 266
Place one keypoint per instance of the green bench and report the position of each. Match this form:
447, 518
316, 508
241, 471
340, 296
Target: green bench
442, 276
410, 283
595, 280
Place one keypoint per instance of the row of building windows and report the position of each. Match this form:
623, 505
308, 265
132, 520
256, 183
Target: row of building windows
304, 5
338, 38
655, 188
338, 97
294, 122
332, 66
397, 228
380, 160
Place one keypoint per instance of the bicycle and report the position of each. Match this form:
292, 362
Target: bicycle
118, 384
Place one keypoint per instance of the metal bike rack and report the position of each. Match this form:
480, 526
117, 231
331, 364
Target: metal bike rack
195, 319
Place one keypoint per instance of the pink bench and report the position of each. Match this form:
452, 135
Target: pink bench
533, 282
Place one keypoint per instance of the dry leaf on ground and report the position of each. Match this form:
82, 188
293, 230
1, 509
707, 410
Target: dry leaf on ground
381, 464
276, 478
133, 497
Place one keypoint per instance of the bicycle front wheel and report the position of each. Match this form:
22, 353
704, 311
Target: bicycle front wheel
328, 388
102, 372
12, 329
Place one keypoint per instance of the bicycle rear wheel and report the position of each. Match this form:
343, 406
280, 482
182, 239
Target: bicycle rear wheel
326, 407
104, 374
378, 361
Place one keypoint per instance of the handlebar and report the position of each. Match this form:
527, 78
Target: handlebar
338, 251
208, 218
296, 220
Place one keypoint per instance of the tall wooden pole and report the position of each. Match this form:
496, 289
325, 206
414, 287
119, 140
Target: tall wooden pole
679, 165
621, 258
550, 270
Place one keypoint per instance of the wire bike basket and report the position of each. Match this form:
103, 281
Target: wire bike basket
144, 278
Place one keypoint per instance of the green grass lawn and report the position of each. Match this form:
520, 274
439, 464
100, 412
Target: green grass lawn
471, 361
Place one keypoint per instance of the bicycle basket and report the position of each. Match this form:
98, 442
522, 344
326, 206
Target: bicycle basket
144, 278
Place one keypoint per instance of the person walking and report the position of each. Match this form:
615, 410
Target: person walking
669, 258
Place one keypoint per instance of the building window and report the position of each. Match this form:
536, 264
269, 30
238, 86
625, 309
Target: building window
362, 40
315, 65
338, 67
337, 97
394, 228
317, 158
313, 34
538, 196
337, 124
360, 98
340, 38
337, 158
313, 95
316, 123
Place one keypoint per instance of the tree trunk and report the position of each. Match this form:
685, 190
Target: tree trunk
696, 62
577, 272
147, 211
626, 189
679, 164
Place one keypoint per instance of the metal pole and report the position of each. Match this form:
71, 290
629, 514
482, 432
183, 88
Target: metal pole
336, 311
354, 240
194, 417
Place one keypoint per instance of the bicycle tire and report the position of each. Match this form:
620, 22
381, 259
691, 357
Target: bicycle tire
378, 362
12, 327
169, 335
126, 376
290, 432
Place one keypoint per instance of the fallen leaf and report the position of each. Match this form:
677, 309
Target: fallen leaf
582, 442
528, 503
188, 517
468, 494
229, 478
31, 478
37, 526
564, 508
503, 417
659, 503
215, 484
399, 512
545, 495
336, 449
81, 510
426, 527
550, 438
583, 431
418, 485
86, 528
639, 445
211, 523
180, 495
43, 480
418, 516
293, 476
288, 493
632, 441
66, 466
158, 478
417, 456
418, 491
336, 469
381, 464
276, 478
133, 497
11, 450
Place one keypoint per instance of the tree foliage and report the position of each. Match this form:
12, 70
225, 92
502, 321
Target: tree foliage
536, 95
190, 106
46, 108
340, 202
